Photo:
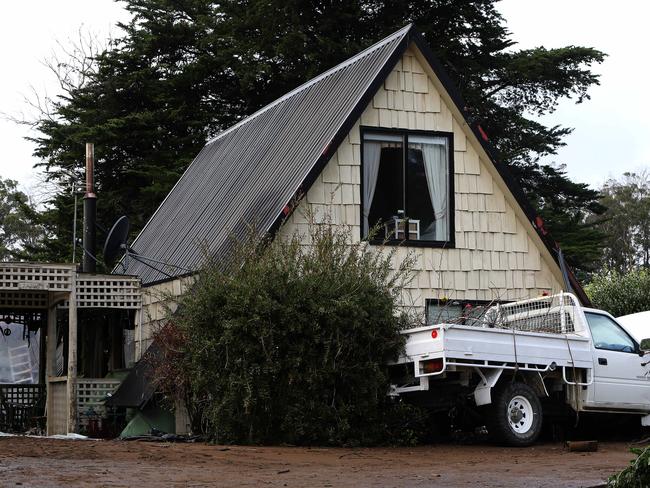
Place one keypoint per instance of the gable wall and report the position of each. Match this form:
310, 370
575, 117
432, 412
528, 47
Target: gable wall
497, 255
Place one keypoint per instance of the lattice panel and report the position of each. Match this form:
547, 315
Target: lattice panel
91, 394
107, 291
23, 299
21, 406
42, 277
22, 394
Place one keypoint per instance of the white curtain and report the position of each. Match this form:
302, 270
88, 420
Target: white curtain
435, 167
371, 156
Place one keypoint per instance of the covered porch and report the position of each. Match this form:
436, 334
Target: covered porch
38, 293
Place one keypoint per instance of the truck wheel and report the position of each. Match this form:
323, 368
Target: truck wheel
515, 415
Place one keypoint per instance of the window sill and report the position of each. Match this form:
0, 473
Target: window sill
412, 243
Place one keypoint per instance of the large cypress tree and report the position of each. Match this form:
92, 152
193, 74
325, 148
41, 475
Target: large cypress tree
185, 69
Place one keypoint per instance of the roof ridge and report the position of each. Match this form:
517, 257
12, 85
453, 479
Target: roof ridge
315, 80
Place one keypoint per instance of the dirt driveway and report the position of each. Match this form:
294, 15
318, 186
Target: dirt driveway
35, 462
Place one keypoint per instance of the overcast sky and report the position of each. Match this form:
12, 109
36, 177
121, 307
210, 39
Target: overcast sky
612, 130
29, 31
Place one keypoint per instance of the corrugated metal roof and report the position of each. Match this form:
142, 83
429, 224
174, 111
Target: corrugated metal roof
251, 171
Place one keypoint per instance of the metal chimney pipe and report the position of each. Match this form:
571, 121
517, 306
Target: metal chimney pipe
90, 214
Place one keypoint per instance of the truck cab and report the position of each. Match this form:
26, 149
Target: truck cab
621, 369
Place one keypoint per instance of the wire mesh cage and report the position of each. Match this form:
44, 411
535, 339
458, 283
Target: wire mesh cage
555, 314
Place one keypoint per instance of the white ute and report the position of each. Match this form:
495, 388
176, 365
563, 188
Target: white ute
511, 357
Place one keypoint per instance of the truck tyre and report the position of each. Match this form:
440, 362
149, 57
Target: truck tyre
515, 415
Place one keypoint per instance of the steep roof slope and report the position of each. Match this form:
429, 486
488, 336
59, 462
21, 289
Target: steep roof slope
251, 171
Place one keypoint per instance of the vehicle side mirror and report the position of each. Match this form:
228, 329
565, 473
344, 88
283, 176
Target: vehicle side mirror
644, 346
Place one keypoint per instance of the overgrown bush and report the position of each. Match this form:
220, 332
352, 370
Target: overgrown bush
621, 294
636, 475
289, 344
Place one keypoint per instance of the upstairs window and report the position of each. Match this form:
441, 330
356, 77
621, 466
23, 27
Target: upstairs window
407, 186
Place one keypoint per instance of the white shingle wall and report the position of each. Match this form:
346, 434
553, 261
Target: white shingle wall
495, 256
156, 300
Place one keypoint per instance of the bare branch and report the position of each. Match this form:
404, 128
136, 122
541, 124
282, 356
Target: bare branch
72, 63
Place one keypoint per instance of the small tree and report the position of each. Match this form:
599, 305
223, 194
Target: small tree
288, 343
20, 232
627, 222
621, 294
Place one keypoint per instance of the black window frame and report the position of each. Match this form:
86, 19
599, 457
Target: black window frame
461, 303
451, 242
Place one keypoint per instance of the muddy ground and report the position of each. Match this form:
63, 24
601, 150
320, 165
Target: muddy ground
40, 462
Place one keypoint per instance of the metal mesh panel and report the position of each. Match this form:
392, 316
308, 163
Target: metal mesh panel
554, 314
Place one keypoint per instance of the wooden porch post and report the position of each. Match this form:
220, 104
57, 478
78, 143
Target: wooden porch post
50, 360
72, 358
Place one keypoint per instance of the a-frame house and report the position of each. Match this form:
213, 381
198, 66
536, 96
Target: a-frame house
381, 139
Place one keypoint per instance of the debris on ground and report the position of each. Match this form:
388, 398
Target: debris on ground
582, 446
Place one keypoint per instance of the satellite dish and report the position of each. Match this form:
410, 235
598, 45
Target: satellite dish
115, 245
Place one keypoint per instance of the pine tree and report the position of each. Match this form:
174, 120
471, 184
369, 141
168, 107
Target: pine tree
185, 69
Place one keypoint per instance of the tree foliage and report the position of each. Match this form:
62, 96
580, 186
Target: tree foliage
627, 222
289, 343
20, 234
621, 293
185, 69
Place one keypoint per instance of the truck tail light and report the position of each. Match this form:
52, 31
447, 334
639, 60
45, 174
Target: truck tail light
431, 366
434, 334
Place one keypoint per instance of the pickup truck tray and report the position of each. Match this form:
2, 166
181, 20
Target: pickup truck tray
486, 347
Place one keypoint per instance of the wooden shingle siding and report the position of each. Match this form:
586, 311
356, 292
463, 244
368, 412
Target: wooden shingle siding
494, 255
156, 300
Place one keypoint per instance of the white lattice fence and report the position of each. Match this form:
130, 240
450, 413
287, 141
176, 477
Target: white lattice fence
23, 299
91, 394
42, 277
26, 286
107, 291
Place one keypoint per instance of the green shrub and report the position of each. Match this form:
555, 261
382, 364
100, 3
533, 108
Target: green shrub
289, 344
621, 294
636, 475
